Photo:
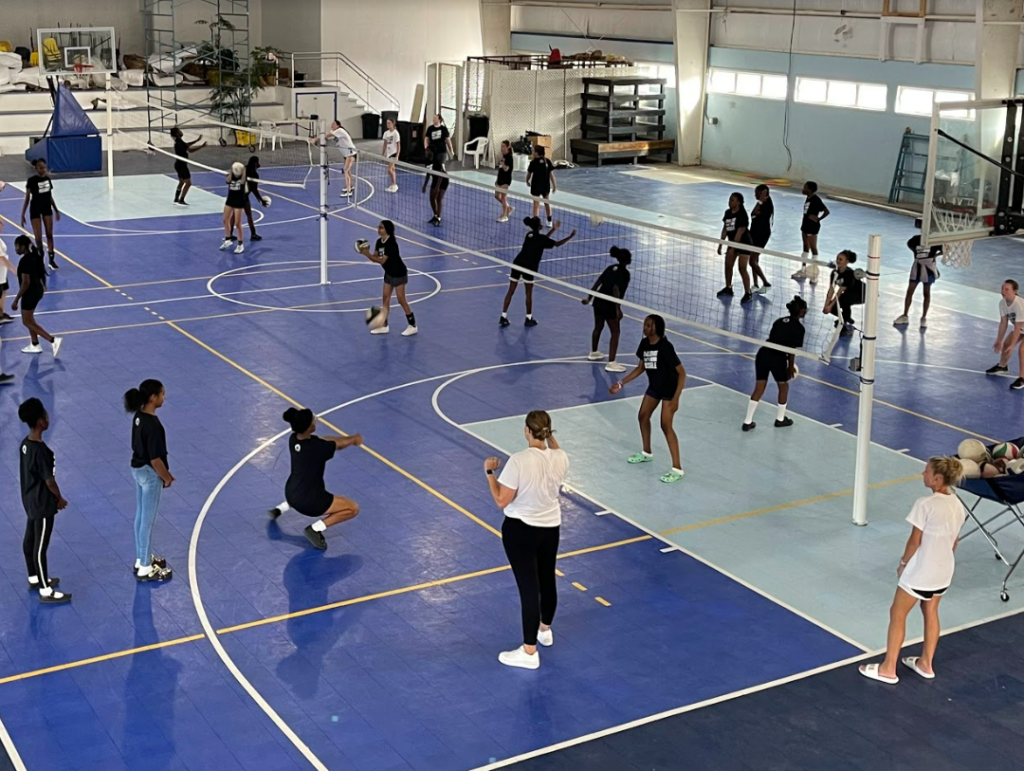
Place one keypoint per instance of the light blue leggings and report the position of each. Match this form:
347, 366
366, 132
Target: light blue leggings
148, 487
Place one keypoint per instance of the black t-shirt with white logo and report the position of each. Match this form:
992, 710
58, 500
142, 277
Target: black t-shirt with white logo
37, 466
40, 190
787, 331
533, 249
540, 173
761, 224
393, 265
734, 221
309, 459
813, 207
660, 361
436, 136
149, 440
614, 277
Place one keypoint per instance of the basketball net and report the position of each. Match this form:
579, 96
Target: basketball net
955, 254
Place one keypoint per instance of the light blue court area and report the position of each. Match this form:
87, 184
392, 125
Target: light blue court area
138, 197
769, 507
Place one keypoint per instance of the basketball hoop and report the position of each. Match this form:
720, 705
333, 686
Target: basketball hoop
954, 222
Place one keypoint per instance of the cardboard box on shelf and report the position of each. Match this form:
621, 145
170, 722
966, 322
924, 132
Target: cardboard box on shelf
541, 140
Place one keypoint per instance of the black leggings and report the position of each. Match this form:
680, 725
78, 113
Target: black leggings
37, 541
531, 552
846, 306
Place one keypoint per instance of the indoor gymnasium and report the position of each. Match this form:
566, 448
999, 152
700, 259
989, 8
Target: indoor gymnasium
528, 384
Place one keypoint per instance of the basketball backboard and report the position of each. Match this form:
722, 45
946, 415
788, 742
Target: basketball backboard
974, 186
77, 51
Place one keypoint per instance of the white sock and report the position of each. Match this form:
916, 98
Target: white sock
529, 315
34, 580
805, 256
647, 454
283, 507
677, 470
138, 564
781, 414
751, 409
144, 570
504, 315
46, 592
319, 526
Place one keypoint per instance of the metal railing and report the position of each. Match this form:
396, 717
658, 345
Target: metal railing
333, 69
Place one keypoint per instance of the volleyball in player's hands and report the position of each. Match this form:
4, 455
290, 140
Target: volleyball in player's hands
266, 201
794, 372
375, 317
237, 169
362, 246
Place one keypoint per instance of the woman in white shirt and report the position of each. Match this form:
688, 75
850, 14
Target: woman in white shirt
925, 570
391, 149
343, 141
528, 491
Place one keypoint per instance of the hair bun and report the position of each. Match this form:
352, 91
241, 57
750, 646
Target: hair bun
289, 414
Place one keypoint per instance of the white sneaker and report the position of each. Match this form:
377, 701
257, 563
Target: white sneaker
225, 244
924, 323
802, 273
410, 331
614, 366
502, 218
391, 189
380, 330
545, 638
32, 349
519, 658
899, 322
240, 248
595, 356
55, 345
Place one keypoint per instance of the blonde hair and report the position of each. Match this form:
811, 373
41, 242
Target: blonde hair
950, 469
539, 423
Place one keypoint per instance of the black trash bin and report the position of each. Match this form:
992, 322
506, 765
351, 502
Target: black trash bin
371, 125
479, 126
386, 115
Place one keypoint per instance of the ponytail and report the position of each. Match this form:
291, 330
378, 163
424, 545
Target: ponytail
137, 398
539, 424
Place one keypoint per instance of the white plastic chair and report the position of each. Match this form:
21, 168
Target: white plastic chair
476, 152
267, 129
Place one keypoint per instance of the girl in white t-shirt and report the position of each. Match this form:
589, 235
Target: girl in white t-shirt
528, 491
343, 141
925, 570
1011, 333
391, 151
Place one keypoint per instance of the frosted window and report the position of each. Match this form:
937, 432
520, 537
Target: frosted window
872, 97
813, 91
722, 82
748, 84
774, 87
914, 101
842, 94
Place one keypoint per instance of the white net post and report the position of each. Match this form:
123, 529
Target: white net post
325, 170
110, 133
867, 382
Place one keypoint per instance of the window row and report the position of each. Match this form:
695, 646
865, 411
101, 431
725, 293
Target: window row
834, 93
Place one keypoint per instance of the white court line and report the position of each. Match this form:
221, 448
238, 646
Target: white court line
12, 751
434, 401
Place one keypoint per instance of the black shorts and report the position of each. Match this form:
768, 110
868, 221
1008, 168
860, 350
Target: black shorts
654, 393
810, 228
517, 276
35, 212
31, 300
540, 192
771, 362
182, 170
760, 240
439, 183
315, 505
739, 246
605, 310
438, 156
396, 280
503, 180
4, 286
923, 594
237, 199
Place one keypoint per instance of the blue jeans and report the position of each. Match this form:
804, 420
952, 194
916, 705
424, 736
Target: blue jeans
148, 487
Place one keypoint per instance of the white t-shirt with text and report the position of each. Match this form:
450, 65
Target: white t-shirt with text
1014, 312
391, 140
939, 517
537, 477
344, 141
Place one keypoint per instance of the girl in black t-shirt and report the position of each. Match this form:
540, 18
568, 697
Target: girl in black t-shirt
505, 165
41, 206
151, 472
305, 490
396, 275
814, 212
666, 378
182, 150
234, 207
540, 176
529, 257
735, 228
41, 498
845, 290
437, 140
762, 220
438, 179
252, 178
31, 287
787, 331
613, 283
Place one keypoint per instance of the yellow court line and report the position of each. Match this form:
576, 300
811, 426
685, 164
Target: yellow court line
307, 612
603, 601
784, 506
579, 586
81, 267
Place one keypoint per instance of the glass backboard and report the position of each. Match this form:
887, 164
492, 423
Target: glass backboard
77, 50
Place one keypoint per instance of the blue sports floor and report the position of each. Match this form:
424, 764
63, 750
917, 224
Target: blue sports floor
381, 653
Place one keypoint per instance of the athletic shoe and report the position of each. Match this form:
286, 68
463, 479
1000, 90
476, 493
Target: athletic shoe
53, 263
786, 422
901, 320
181, 203
924, 323
996, 370
614, 366
380, 330
55, 345
410, 331
802, 273
5, 379
595, 356
391, 189
672, 476
749, 426
6, 318
503, 218
639, 458
530, 323
1017, 384
274, 513
155, 574
96, 103
54, 581
255, 237
725, 292
225, 244
437, 222
432, 220
545, 638
240, 248
519, 658
345, 193
747, 297
54, 598
39, 349
503, 321
764, 288
315, 538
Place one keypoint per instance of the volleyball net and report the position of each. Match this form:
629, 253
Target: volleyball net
674, 273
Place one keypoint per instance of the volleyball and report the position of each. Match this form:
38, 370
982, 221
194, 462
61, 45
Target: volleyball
813, 271
359, 245
267, 201
375, 317
971, 468
1006, 450
796, 372
972, 449
596, 219
1015, 466
237, 169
